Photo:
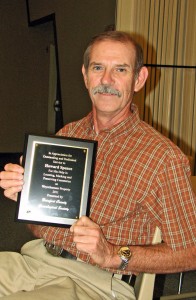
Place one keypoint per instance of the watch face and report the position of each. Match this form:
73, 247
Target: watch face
125, 252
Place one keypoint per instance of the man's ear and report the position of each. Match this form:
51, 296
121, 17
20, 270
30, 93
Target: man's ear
141, 79
85, 76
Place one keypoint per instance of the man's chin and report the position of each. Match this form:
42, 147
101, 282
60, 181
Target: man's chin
106, 110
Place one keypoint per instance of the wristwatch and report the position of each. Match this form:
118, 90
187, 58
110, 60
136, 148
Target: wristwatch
125, 254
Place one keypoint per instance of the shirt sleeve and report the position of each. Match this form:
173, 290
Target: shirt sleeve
178, 204
53, 235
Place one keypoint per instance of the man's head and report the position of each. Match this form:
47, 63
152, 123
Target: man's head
113, 70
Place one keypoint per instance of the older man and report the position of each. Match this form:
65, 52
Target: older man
141, 181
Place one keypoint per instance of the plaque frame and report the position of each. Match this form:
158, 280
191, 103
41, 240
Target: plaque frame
57, 180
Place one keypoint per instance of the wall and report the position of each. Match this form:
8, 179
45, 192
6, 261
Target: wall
24, 62
76, 22
23, 75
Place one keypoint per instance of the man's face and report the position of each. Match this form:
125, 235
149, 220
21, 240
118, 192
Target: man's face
110, 76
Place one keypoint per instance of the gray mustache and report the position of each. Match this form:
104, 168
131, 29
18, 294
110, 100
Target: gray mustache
105, 89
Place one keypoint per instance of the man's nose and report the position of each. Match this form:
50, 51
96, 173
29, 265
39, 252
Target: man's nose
107, 77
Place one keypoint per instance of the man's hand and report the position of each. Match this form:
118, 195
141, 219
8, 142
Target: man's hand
11, 180
89, 238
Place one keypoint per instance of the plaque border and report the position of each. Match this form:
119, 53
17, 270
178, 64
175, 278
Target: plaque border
21, 214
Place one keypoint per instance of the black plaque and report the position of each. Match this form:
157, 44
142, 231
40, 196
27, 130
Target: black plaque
57, 180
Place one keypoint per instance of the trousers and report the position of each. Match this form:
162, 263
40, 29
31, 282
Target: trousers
36, 274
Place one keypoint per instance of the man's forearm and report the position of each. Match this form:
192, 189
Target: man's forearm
37, 230
161, 259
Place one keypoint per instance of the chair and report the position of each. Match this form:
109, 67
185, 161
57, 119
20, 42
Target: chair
177, 296
144, 282
183, 295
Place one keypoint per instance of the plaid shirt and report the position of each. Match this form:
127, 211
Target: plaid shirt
141, 180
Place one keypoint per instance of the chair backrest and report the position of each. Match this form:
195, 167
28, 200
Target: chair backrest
144, 283
179, 295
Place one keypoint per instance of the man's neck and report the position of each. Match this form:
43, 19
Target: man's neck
107, 121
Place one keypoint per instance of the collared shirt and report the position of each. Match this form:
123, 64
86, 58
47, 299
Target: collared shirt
141, 180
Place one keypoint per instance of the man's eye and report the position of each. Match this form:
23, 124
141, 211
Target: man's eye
97, 68
121, 70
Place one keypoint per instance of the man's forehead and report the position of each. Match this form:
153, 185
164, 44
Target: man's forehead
114, 49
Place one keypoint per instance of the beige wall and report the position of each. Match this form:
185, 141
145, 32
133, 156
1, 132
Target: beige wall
24, 62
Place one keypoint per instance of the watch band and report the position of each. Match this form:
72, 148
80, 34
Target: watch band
123, 264
125, 254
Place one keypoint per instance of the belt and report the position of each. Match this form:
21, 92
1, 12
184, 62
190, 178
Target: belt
66, 254
58, 251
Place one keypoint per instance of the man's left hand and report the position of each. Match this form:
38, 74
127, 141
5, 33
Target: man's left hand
89, 238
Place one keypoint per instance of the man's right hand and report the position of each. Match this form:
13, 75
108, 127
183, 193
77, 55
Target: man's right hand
11, 180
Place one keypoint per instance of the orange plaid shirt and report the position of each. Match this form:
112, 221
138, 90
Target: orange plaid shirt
141, 180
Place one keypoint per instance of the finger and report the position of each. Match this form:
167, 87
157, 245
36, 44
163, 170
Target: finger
86, 240
9, 176
85, 247
12, 193
83, 221
6, 184
14, 168
12, 171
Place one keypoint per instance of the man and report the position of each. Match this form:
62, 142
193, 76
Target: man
141, 181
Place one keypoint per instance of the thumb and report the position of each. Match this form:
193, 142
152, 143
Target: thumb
83, 221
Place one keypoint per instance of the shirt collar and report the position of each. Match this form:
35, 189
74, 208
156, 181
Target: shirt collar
128, 125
